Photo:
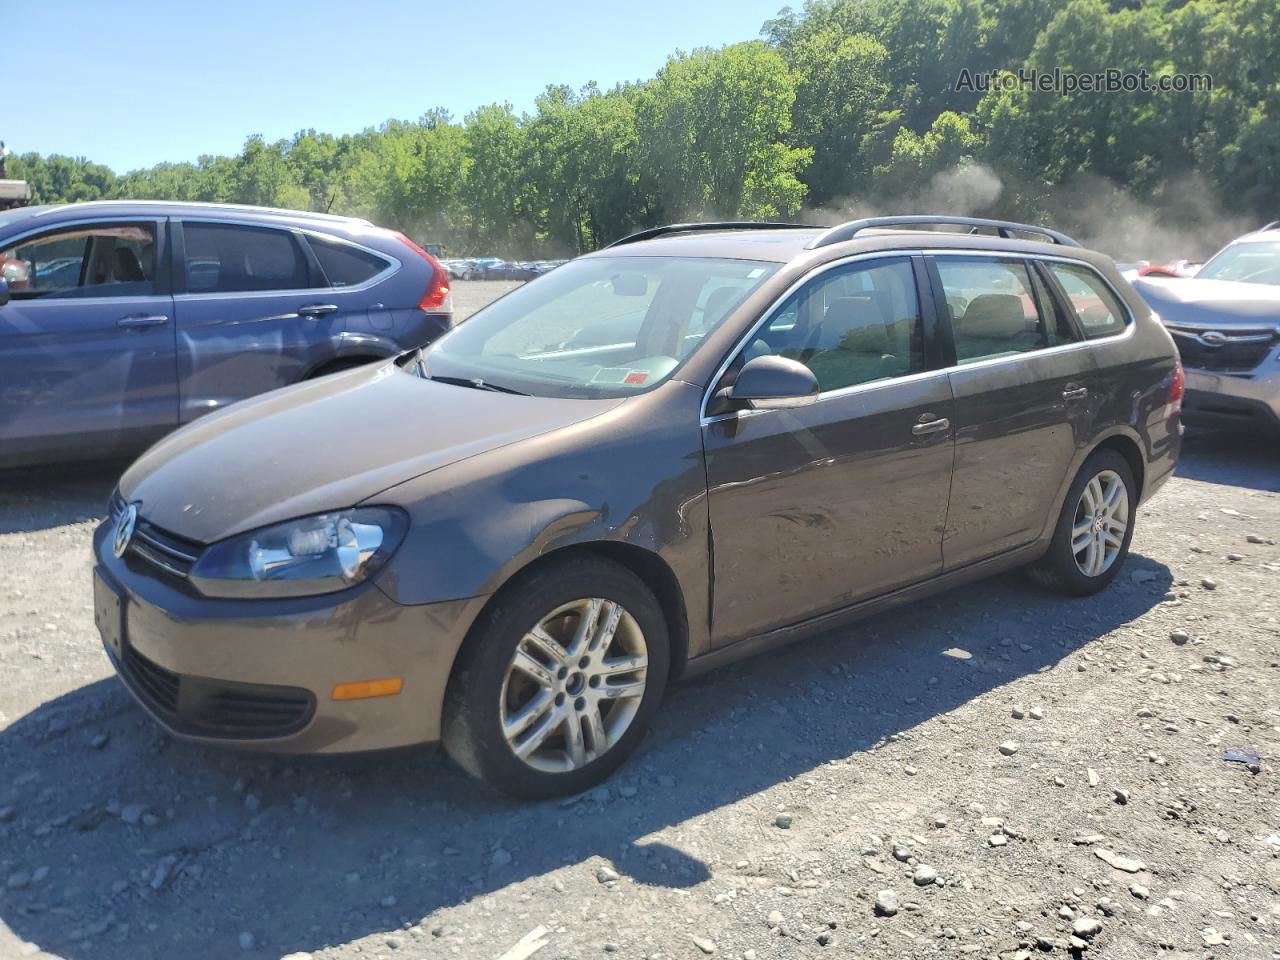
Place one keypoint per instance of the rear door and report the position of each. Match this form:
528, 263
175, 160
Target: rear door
814, 508
86, 340
1022, 406
254, 312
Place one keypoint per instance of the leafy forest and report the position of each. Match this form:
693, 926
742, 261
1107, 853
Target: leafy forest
842, 108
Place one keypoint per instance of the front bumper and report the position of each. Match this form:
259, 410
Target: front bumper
260, 674
1226, 399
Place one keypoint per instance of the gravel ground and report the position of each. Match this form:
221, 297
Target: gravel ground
986, 774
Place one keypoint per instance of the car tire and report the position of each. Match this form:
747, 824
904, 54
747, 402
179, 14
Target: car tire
584, 727
1072, 563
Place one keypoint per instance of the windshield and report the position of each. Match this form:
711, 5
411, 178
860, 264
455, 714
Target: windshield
1257, 262
597, 327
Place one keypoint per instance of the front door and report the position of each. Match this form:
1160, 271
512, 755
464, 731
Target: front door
86, 342
1022, 405
817, 507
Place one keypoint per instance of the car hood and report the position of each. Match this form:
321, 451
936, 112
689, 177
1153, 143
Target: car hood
327, 444
1211, 302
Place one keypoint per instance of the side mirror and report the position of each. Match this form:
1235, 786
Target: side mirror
769, 383
4, 293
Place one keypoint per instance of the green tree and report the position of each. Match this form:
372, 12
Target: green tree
713, 128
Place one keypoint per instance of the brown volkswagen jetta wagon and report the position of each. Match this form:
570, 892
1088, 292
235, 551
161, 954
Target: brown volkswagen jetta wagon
702, 441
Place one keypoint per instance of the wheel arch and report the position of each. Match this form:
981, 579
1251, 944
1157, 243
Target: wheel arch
650, 568
1128, 448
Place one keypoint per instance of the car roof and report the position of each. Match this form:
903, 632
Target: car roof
171, 208
784, 245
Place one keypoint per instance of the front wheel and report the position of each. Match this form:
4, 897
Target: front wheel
1094, 529
559, 679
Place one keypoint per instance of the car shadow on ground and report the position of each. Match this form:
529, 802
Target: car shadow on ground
1235, 457
147, 847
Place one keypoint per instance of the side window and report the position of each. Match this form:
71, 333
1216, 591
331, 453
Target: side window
993, 308
851, 325
1094, 303
222, 258
108, 260
1058, 326
345, 265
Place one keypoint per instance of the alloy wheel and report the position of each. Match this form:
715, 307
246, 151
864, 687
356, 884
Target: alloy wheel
574, 684
1101, 520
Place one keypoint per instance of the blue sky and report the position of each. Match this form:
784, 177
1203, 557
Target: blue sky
133, 82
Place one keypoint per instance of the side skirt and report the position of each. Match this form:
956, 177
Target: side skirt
782, 636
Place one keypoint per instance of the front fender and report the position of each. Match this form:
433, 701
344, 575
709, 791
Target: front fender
633, 476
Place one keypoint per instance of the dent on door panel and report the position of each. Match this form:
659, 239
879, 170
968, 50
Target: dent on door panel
1016, 440
815, 508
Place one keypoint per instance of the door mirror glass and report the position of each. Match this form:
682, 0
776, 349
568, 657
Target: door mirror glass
770, 382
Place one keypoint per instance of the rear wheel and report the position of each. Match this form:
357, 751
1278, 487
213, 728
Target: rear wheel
560, 678
1094, 529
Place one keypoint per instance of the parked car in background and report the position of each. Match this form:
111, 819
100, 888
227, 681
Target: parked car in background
1226, 322
120, 321
1174, 268
534, 525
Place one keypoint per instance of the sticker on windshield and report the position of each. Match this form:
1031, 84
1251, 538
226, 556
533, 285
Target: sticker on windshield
636, 377
611, 375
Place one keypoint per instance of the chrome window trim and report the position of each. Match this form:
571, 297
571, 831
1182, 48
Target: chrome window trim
47, 229
394, 266
775, 307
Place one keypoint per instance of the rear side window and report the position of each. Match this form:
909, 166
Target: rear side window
345, 265
108, 260
851, 325
993, 308
223, 258
1095, 305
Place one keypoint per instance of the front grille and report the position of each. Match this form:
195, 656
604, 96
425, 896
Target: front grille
173, 554
1240, 350
201, 707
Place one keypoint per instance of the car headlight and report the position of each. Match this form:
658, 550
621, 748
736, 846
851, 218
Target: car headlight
303, 557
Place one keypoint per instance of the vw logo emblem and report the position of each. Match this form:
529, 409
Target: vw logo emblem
1212, 338
124, 529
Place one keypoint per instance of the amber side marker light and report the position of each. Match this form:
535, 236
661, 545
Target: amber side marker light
365, 689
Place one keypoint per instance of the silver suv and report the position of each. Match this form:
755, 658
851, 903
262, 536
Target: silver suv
1226, 322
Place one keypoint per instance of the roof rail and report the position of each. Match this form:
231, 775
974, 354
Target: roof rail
1005, 228
653, 232
1270, 226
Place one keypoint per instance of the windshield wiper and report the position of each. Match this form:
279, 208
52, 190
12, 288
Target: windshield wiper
477, 384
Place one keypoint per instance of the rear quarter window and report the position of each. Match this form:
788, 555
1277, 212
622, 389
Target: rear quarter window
1096, 307
345, 265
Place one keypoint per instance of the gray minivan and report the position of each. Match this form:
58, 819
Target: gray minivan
698, 443
120, 321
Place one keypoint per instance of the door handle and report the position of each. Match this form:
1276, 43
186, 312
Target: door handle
318, 309
142, 320
931, 426
1075, 393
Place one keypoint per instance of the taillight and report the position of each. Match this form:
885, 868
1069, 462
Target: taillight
436, 296
1173, 404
